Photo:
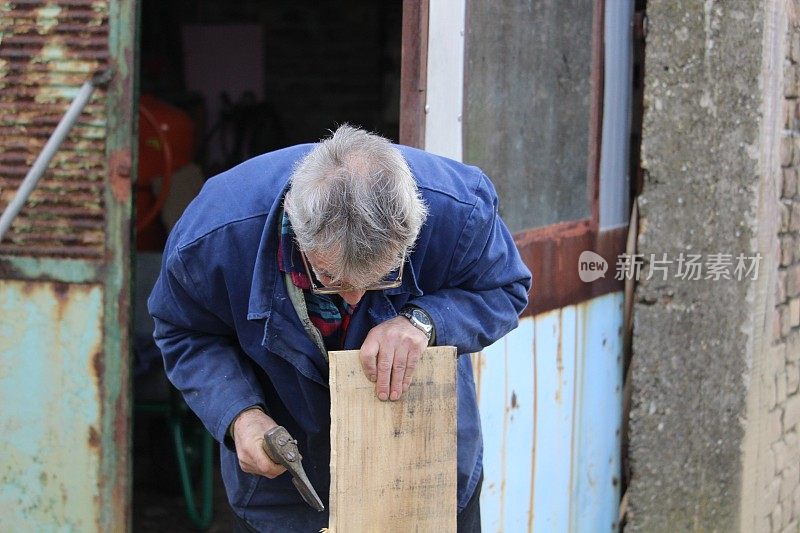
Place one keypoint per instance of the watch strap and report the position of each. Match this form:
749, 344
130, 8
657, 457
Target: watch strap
408, 312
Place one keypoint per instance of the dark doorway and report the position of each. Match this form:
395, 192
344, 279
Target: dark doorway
221, 82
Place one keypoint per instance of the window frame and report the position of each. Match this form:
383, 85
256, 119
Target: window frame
552, 251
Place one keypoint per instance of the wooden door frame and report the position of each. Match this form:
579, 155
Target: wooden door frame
413, 72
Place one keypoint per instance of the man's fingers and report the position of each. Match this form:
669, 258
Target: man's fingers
399, 369
402, 381
384, 368
263, 468
268, 467
411, 366
368, 355
389, 357
245, 466
258, 462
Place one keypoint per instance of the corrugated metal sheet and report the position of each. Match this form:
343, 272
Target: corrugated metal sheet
551, 407
47, 50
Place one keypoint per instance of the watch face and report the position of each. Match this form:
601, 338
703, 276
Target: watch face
421, 317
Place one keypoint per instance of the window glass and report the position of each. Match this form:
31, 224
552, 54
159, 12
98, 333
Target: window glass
527, 105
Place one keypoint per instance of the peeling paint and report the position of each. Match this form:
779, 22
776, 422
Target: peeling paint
47, 17
550, 465
120, 164
94, 437
559, 364
49, 477
65, 335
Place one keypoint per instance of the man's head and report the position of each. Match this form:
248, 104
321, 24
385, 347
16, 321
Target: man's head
354, 207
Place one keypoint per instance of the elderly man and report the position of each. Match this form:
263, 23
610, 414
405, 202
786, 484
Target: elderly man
352, 243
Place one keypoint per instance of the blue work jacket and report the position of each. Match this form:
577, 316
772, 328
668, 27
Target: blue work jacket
231, 337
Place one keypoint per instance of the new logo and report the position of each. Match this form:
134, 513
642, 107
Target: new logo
591, 266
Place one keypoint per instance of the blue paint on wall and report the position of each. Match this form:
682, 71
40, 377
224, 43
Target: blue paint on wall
492, 403
520, 402
596, 480
555, 389
550, 400
50, 464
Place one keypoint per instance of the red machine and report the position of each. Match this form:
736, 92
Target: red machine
166, 138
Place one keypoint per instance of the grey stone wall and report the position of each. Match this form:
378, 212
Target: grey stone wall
690, 360
715, 424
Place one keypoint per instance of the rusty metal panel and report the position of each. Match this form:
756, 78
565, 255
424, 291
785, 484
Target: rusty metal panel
47, 50
51, 390
64, 318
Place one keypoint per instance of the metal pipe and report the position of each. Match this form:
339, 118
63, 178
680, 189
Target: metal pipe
50, 149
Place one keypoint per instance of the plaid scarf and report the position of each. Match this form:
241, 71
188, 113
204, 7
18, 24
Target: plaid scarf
330, 314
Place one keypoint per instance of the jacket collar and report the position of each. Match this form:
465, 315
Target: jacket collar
266, 276
409, 284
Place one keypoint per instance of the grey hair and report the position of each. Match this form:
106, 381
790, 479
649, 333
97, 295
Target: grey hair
353, 198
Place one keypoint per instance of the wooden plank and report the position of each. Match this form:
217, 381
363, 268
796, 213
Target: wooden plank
393, 464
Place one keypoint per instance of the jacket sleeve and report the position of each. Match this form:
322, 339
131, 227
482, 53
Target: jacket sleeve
201, 355
487, 282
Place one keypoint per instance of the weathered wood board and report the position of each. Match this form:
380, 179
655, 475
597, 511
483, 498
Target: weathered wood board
393, 464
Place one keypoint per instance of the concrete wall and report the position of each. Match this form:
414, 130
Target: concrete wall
713, 428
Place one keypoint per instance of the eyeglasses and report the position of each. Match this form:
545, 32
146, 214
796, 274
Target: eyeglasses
340, 287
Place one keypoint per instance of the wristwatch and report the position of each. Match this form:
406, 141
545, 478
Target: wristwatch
420, 320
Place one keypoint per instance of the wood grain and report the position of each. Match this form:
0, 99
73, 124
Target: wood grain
393, 464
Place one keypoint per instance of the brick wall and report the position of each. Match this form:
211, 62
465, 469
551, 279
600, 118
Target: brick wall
781, 462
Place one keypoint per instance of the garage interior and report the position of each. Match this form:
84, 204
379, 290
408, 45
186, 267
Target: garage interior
221, 82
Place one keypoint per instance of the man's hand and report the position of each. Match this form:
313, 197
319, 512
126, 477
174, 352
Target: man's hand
248, 435
390, 354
